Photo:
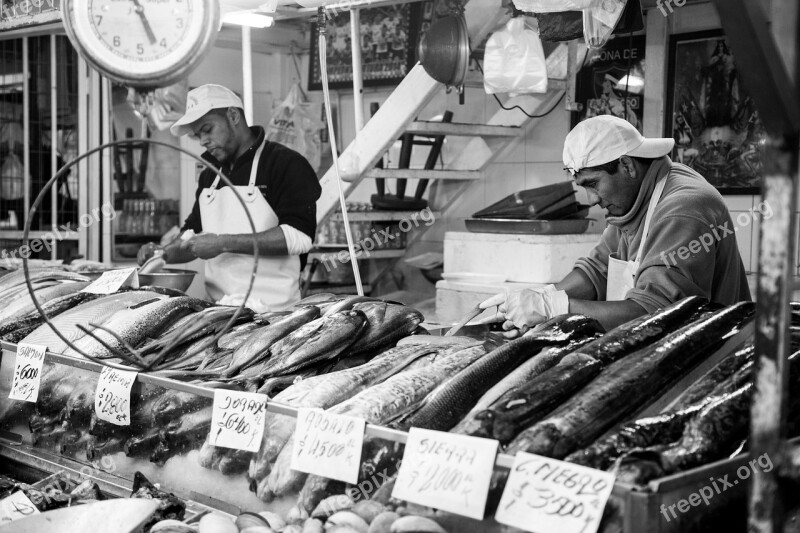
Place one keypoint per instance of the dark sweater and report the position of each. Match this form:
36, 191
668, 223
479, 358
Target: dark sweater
285, 178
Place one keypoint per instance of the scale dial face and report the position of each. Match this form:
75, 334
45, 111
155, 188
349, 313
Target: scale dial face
142, 42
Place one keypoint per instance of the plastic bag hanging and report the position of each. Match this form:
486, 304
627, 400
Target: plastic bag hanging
514, 61
600, 19
295, 123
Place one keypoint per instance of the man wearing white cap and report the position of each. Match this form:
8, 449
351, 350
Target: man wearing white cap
279, 189
669, 235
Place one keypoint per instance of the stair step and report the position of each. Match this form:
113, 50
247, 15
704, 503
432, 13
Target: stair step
460, 129
413, 173
380, 216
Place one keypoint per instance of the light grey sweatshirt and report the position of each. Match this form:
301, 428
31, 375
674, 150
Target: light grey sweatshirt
691, 249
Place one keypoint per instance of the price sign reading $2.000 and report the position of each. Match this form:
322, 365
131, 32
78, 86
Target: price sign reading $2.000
544, 495
27, 372
112, 398
237, 419
328, 445
447, 471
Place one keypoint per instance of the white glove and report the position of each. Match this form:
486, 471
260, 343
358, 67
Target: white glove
525, 308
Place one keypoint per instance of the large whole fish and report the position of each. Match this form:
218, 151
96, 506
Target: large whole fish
446, 406
705, 386
256, 346
24, 305
194, 326
16, 279
386, 324
627, 385
319, 340
16, 328
381, 403
132, 326
326, 391
185, 434
93, 312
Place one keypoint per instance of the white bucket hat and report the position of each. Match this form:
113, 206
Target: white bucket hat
200, 101
604, 138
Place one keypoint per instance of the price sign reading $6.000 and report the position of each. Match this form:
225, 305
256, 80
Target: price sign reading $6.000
446, 471
112, 398
237, 419
27, 372
544, 494
328, 445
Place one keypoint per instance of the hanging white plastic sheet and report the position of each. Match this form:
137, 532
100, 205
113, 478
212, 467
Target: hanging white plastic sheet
600, 17
514, 61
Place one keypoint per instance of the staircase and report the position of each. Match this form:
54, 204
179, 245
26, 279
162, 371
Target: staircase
396, 115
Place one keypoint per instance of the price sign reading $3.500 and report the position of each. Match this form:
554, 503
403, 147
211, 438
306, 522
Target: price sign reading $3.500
237, 419
112, 398
27, 372
446, 471
328, 445
544, 494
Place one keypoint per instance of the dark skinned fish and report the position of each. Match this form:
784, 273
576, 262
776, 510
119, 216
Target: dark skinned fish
447, 405
386, 324
256, 346
188, 433
24, 305
346, 304
236, 336
319, 340
34, 319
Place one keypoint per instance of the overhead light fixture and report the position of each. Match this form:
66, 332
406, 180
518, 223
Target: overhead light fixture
631, 83
248, 18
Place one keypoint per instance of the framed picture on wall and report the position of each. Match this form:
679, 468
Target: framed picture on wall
389, 37
713, 119
612, 81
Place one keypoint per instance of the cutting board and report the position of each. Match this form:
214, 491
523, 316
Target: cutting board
122, 515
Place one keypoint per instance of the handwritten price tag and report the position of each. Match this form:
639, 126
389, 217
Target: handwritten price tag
328, 444
15, 507
237, 419
27, 372
113, 280
544, 495
112, 398
446, 471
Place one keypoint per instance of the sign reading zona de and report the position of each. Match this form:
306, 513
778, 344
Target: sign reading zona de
446, 471
113, 280
237, 419
328, 445
544, 495
27, 372
112, 398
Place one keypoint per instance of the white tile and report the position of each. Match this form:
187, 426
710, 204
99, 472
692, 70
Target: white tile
545, 141
517, 153
738, 202
755, 246
744, 237
538, 174
503, 179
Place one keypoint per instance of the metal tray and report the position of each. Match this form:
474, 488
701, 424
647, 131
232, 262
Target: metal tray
537, 227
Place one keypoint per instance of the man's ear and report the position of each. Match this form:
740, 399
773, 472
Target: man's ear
233, 115
629, 166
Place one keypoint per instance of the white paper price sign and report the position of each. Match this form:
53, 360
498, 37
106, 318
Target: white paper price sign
27, 372
113, 280
112, 398
328, 445
446, 471
15, 507
544, 495
237, 420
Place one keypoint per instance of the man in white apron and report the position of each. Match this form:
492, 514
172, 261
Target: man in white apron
279, 189
669, 235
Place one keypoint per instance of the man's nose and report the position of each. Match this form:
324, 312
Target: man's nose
592, 197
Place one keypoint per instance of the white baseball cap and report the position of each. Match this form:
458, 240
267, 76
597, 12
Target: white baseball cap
200, 101
604, 138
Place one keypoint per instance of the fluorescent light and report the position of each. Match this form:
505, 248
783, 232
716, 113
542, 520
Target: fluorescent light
633, 83
248, 18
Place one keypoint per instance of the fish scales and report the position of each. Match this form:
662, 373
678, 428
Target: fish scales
52, 309
387, 400
323, 392
133, 325
386, 324
447, 405
25, 305
547, 358
627, 384
95, 311
257, 344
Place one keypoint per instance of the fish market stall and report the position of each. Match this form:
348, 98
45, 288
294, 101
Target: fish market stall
643, 400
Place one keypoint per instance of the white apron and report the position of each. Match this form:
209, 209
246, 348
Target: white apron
621, 274
277, 284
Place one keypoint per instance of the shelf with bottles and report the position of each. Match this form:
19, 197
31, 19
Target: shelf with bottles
144, 218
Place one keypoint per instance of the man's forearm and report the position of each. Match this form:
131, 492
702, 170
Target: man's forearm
609, 314
577, 285
270, 243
